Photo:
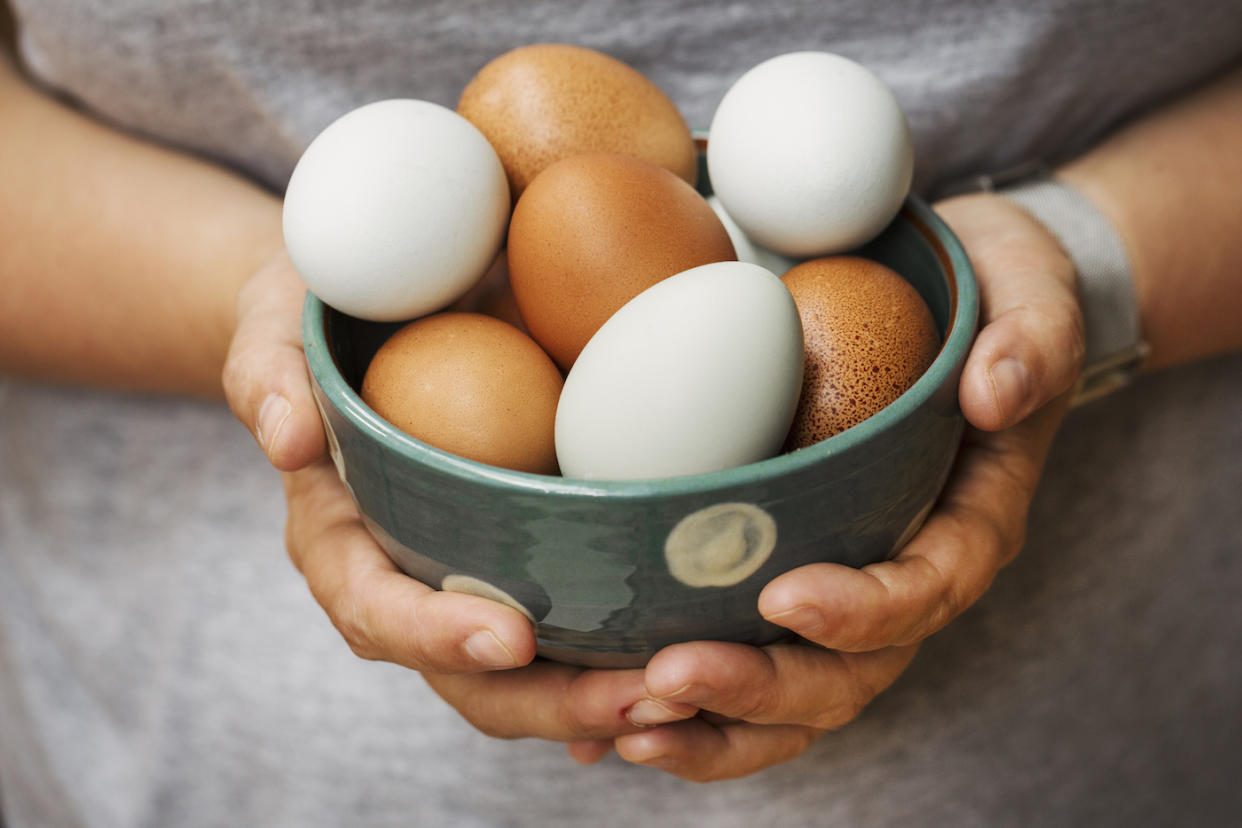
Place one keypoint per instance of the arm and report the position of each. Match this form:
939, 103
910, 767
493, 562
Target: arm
129, 265
120, 261
1169, 183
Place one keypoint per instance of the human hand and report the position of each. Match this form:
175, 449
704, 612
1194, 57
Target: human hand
265, 375
381, 613
455, 640
862, 627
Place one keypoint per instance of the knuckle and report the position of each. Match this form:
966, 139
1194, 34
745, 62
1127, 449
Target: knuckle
348, 614
572, 709
842, 710
856, 694
243, 370
949, 603
355, 631
416, 644
943, 602
1059, 324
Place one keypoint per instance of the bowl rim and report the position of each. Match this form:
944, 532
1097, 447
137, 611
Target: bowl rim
964, 301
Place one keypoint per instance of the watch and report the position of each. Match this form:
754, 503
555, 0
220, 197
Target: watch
1115, 349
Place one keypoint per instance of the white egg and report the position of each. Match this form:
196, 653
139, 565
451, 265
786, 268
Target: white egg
810, 153
747, 250
395, 210
699, 372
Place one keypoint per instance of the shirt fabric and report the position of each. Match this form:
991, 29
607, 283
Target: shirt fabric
162, 663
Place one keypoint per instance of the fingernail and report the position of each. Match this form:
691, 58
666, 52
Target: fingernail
647, 712
1011, 385
485, 648
801, 619
272, 415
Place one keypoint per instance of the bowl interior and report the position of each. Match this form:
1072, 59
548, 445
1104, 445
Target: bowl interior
592, 563
916, 244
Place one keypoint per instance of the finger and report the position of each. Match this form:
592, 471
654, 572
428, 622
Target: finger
1029, 353
799, 684
977, 527
589, 752
545, 700
701, 752
265, 374
382, 613
1031, 344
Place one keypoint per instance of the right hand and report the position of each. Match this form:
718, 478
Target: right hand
465, 646
381, 613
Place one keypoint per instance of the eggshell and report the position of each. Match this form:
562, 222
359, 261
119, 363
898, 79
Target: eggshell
869, 336
471, 385
810, 153
747, 250
394, 210
698, 373
538, 104
595, 230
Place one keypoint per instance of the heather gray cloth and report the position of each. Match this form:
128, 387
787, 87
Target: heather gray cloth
162, 664
985, 84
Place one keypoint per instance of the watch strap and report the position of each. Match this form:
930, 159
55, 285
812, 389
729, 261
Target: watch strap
1115, 349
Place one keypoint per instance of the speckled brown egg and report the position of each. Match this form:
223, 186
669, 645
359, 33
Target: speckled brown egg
471, 385
592, 232
868, 336
538, 104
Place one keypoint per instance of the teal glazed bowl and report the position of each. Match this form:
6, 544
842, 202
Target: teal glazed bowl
610, 572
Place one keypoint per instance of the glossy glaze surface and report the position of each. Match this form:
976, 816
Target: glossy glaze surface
613, 571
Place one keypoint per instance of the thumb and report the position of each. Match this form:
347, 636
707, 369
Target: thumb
265, 374
1030, 344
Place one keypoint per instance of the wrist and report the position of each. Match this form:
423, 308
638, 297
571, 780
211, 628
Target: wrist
1115, 348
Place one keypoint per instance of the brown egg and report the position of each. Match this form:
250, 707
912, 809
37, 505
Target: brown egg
541, 103
471, 385
868, 336
595, 230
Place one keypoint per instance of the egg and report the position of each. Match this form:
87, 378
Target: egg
470, 385
592, 232
868, 336
699, 372
748, 251
395, 210
810, 153
540, 103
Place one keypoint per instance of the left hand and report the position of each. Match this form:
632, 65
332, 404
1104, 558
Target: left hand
862, 627
710, 710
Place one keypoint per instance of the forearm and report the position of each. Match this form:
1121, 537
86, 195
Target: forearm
1170, 182
119, 260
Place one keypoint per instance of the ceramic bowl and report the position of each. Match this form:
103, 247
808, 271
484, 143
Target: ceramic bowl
610, 572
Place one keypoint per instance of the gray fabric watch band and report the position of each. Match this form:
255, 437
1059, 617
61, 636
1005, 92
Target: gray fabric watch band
1115, 346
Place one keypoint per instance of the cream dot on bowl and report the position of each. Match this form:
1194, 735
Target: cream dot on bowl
470, 585
721, 545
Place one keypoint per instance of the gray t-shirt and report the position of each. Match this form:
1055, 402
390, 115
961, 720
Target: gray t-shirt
162, 664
